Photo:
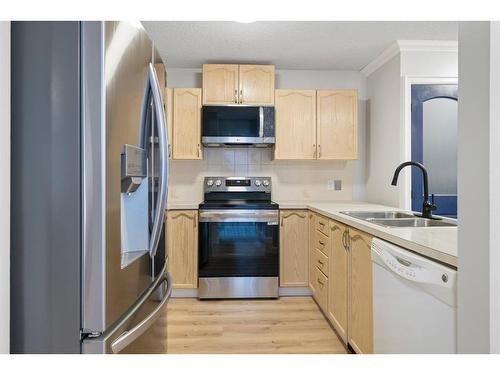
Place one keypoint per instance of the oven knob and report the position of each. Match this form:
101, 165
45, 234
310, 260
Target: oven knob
218, 183
257, 182
265, 183
210, 182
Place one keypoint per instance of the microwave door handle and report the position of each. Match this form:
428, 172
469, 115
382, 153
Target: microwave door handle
161, 200
261, 122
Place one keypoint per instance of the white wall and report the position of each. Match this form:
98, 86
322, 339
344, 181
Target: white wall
383, 132
478, 188
495, 188
429, 63
292, 180
388, 119
4, 187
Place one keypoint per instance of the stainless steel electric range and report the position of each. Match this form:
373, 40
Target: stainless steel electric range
238, 239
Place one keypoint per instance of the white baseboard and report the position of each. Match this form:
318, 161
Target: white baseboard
283, 292
299, 291
185, 293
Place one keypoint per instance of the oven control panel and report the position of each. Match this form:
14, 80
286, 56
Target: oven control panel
237, 184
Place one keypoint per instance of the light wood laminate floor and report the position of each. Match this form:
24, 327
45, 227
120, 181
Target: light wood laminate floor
286, 325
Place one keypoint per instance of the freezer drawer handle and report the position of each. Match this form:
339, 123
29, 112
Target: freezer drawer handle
127, 337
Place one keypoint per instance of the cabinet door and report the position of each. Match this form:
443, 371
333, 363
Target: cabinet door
169, 95
182, 248
338, 279
220, 84
294, 245
361, 302
337, 124
295, 112
256, 84
312, 249
186, 124
312, 228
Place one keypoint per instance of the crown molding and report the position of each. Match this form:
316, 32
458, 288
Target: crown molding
428, 45
381, 59
408, 46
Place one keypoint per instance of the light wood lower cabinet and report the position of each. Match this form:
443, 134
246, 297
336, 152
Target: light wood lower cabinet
294, 244
186, 130
338, 280
360, 320
182, 247
312, 229
320, 282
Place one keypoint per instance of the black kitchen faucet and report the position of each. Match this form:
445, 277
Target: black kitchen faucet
427, 207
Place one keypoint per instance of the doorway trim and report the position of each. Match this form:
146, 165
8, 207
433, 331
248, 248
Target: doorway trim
406, 83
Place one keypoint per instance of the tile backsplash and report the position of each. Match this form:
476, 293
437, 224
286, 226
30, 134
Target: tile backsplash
293, 180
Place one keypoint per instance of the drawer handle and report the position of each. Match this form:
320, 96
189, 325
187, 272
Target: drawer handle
320, 282
321, 262
321, 243
321, 223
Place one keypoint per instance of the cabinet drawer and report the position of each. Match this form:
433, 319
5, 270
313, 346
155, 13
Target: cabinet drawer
322, 243
322, 225
320, 260
320, 283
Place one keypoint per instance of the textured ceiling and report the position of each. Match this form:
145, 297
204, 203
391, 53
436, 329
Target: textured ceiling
288, 45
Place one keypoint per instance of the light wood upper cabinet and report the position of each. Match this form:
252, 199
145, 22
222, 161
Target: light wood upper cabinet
360, 297
295, 117
338, 280
337, 124
182, 247
225, 84
169, 100
220, 84
186, 130
294, 246
256, 84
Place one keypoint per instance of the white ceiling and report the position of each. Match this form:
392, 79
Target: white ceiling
288, 45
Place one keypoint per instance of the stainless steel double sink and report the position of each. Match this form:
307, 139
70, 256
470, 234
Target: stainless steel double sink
398, 219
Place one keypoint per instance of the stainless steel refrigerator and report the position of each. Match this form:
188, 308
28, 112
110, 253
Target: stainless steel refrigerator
89, 189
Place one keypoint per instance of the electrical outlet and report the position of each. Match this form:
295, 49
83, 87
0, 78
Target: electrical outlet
334, 185
337, 184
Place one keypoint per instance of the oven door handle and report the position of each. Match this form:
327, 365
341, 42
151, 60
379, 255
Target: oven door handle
271, 217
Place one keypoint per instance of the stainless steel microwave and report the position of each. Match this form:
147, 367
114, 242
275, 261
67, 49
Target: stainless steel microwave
237, 126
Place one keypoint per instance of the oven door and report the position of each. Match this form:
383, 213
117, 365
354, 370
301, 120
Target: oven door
238, 253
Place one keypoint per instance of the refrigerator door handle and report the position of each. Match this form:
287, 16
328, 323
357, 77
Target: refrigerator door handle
127, 337
161, 201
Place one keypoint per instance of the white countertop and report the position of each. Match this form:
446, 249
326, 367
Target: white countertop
182, 205
439, 243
